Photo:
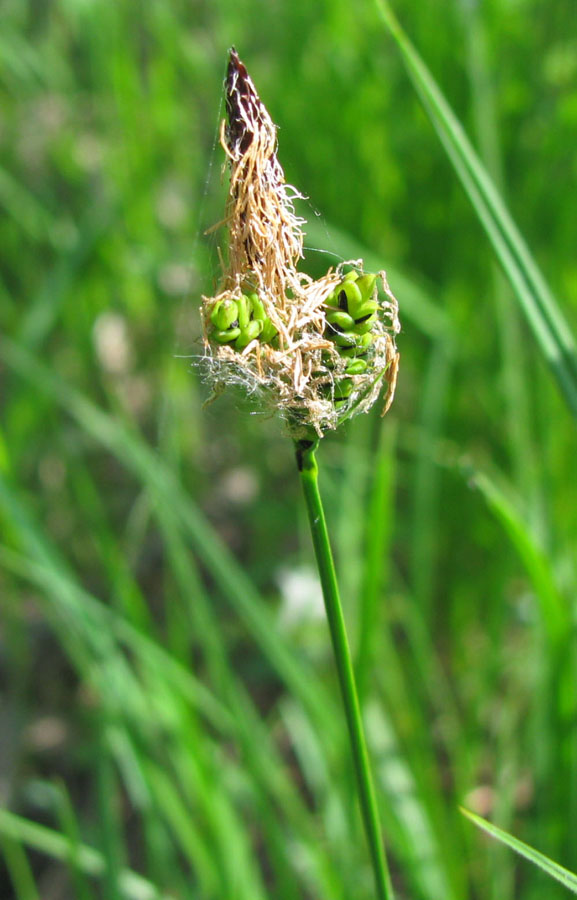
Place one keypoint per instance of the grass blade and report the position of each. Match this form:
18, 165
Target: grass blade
376, 556
542, 311
45, 840
554, 615
553, 869
228, 574
18, 868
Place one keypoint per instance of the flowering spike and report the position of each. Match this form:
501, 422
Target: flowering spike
318, 351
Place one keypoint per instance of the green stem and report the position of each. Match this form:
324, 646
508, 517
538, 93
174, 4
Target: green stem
308, 469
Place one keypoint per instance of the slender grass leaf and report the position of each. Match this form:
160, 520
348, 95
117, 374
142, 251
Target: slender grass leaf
554, 612
18, 867
553, 869
376, 555
551, 330
45, 840
70, 828
69, 596
227, 573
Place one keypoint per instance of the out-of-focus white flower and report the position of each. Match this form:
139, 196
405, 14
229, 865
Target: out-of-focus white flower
302, 598
175, 279
172, 206
112, 343
239, 485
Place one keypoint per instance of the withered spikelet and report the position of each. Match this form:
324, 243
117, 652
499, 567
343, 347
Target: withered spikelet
318, 351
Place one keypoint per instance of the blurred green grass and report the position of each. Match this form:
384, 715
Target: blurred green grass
166, 711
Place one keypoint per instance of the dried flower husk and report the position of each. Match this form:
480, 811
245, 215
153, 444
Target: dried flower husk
281, 347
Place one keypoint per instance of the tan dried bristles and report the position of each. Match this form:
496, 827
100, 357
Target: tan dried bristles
265, 237
286, 355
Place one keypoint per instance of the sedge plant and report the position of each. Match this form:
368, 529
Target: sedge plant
317, 351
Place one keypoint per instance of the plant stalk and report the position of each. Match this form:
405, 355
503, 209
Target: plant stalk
308, 470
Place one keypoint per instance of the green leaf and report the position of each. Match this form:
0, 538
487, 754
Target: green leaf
553, 869
540, 307
231, 578
555, 616
90, 861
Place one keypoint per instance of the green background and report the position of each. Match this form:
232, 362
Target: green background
169, 701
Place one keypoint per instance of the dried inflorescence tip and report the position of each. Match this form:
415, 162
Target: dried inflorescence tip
318, 351
265, 237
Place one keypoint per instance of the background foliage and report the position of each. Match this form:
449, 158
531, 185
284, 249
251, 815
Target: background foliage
169, 702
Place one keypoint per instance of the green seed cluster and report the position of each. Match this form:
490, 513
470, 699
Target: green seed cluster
239, 321
351, 313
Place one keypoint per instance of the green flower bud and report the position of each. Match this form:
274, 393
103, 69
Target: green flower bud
344, 339
244, 312
223, 314
362, 309
341, 319
366, 285
347, 293
364, 341
225, 337
257, 307
351, 276
248, 334
269, 332
343, 388
360, 347
332, 300
366, 324
356, 367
